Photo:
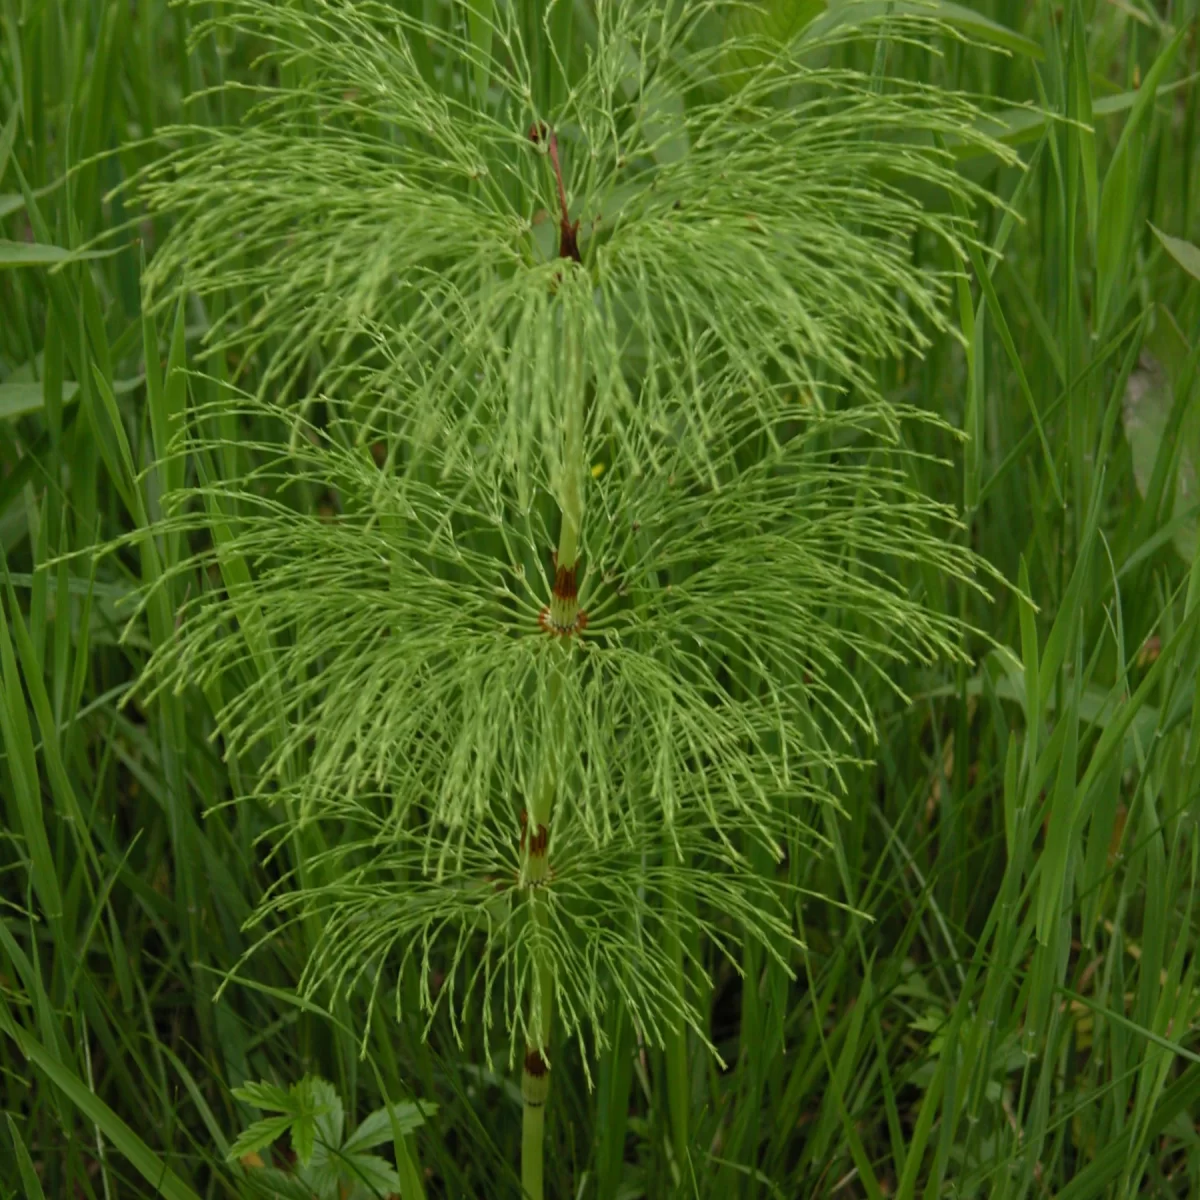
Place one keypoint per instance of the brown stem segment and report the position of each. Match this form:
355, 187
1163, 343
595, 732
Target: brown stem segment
535, 1088
562, 616
535, 1075
537, 1071
535, 846
566, 583
568, 231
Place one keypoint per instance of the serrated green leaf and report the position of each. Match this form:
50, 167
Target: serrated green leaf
376, 1127
371, 1176
270, 1183
335, 1174
267, 1096
330, 1116
319, 1117
321, 1175
258, 1136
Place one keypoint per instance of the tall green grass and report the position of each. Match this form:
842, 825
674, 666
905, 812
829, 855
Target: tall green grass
1005, 1001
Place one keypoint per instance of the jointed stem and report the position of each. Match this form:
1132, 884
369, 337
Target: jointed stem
535, 868
562, 619
535, 1074
573, 461
676, 1056
533, 1132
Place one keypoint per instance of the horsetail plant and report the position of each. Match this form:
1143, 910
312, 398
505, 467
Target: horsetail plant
553, 589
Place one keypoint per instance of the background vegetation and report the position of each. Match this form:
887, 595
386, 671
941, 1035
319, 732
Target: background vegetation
1004, 1003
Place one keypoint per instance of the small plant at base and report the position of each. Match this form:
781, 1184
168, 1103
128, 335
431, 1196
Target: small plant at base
559, 706
331, 1163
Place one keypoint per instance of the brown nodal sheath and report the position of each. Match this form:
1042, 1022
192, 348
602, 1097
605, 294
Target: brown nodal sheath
539, 842
535, 1083
563, 616
565, 585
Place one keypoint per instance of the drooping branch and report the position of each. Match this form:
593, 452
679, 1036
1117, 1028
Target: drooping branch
739, 322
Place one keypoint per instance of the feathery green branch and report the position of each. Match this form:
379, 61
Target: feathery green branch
640, 329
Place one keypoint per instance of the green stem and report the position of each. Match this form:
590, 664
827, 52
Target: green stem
533, 1130
561, 623
573, 462
535, 1075
678, 1070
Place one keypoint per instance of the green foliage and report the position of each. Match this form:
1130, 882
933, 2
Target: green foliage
333, 1163
1162, 424
309, 1110
707, 338
998, 998
397, 243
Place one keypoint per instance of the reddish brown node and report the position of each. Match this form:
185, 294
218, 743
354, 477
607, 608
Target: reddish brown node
566, 593
568, 231
566, 583
539, 842
536, 1065
577, 626
568, 240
